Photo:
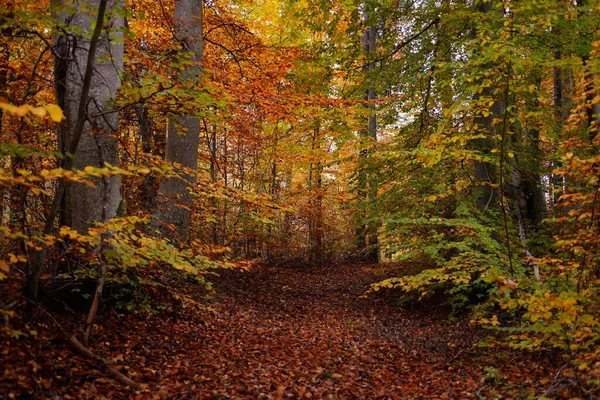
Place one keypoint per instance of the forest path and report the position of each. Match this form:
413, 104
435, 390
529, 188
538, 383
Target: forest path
275, 333
293, 333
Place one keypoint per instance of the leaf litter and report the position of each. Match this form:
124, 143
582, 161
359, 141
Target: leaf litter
278, 333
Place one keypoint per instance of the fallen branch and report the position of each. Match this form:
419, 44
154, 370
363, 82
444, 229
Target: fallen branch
80, 349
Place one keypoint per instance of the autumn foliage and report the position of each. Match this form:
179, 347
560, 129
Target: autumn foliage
356, 160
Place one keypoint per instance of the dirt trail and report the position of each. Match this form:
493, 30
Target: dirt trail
277, 333
301, 334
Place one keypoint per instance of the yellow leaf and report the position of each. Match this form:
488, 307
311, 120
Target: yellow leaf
22, 110
55, 112
38, 111
4, 266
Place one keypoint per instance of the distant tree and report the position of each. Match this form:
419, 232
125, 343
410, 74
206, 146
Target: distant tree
366, 239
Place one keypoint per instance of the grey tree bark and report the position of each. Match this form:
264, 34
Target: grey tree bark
183, 134
78, 129
82, 204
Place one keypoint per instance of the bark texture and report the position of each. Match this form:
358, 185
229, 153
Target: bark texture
77, 130
82, 204
183, 134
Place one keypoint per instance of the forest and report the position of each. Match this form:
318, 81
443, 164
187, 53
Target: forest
296, 199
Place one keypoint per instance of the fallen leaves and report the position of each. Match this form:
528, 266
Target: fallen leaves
276, 334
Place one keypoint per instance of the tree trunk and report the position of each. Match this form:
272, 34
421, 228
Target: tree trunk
82, 204
562, 105
37, 259
590, 77
4, 59
485, 172
366, 239
526, 176
183, 135
147, 189
315, 223
17, 194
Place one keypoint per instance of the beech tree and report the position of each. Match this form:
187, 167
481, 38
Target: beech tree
84, 204
366, 187
183, 134
86, 125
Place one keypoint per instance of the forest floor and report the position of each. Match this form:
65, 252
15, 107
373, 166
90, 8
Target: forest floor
279, 333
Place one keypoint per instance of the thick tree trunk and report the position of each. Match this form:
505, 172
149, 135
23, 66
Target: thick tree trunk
533, 192
37, 258
183, 135
528, 191
82, 204
16, 195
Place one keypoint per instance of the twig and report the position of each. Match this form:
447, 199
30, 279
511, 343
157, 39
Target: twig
478, 393
7, 307
80, 349
560, 370
455, 357
58, 325
411, 39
